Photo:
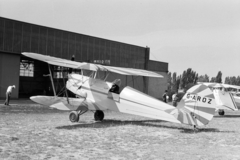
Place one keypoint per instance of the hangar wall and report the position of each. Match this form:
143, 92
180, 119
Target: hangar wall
157, 86
17, 37
9, 73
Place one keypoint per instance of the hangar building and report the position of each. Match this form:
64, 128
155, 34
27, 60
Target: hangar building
28, 75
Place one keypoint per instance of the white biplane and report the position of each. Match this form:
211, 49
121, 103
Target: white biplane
225, 89
196, 108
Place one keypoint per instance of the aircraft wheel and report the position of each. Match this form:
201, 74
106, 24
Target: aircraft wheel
73, 116
98, 115
221, 112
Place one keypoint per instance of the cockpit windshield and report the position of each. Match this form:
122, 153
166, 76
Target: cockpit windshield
102, 75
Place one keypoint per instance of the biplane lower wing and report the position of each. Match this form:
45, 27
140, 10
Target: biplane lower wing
124, 105
61, 103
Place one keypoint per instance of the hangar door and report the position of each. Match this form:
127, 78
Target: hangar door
9, 73
32, 80
35, 80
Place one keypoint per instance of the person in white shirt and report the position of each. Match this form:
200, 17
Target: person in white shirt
8, 94
175, 99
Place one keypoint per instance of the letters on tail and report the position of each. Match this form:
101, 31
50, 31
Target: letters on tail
197, 106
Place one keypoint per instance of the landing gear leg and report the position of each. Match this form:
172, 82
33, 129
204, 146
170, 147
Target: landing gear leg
98, 115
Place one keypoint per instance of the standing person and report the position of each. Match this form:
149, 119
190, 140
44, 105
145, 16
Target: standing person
175, 99
8, 94
164, 97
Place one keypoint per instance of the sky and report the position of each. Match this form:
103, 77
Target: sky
200, 34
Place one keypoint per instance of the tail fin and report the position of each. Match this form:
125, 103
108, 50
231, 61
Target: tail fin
197, 106
224, 100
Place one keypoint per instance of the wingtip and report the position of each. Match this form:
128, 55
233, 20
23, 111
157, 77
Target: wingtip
25, 53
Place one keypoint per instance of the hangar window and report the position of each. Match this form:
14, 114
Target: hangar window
62, 72
106, 61
59, 72
26, 68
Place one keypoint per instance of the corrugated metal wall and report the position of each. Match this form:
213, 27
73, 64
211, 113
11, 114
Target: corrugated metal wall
157, 86
157, 66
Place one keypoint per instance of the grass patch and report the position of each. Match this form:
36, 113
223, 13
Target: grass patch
38, 132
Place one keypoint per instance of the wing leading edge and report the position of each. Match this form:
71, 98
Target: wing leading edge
89, 66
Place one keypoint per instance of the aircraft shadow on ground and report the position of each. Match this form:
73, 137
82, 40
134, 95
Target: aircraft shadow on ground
148, 123
199, 130
228, 116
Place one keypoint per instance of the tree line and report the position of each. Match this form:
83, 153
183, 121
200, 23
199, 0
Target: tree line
190, 78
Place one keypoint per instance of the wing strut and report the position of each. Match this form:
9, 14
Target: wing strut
65, 88
52, 80
133, 81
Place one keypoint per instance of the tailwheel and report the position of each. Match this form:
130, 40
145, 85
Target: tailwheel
221, 112
195, 128
98, 115
74, 116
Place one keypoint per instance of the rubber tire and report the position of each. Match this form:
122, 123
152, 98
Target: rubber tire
221, 112
98, 115
73, 116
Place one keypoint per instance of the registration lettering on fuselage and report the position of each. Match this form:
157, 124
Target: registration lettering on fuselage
199, 98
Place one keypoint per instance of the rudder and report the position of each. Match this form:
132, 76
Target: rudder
197, 106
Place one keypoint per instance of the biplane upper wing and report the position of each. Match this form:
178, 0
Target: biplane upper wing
132, 71
209, 84
63, 62
231, 86
89, 66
